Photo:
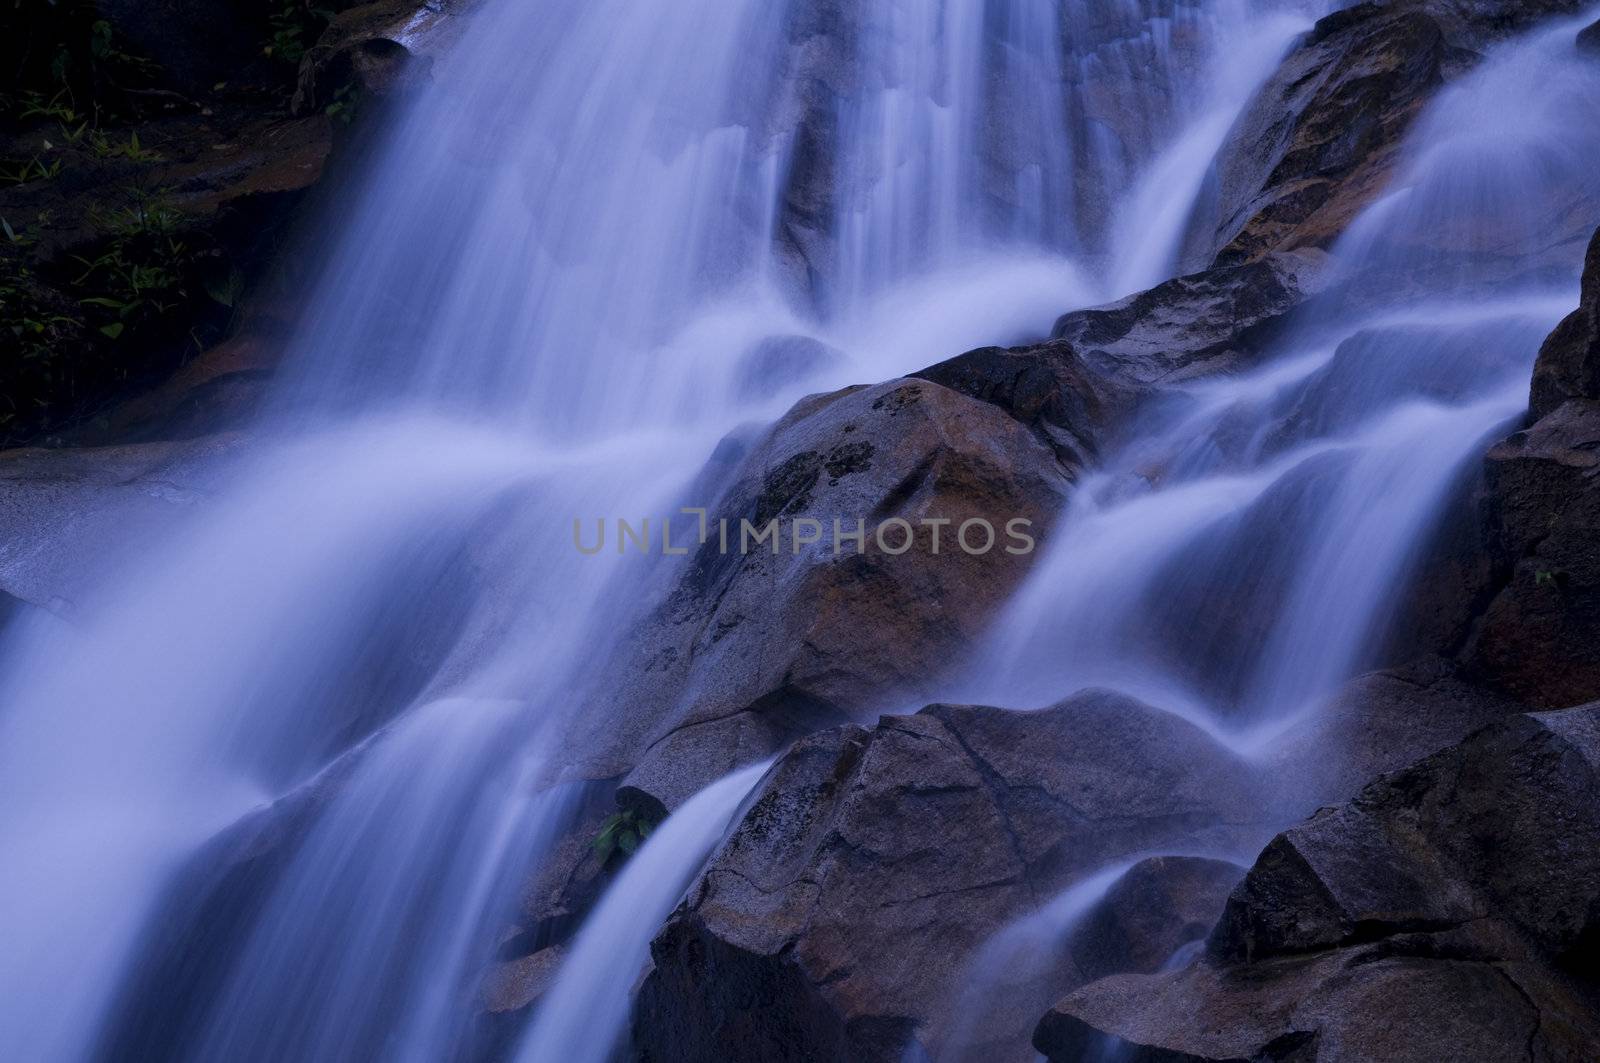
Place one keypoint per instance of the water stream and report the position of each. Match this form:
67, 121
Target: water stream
545, 300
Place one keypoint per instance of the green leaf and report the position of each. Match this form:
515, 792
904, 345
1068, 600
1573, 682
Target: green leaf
628, 843
112, 330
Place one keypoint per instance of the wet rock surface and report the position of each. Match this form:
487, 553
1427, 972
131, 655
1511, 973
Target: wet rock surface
1378, 723
871, 858
1569, 361
1158, 906
1455, 898
1322, 139
1076, 389
761, 642
1539, 511
1537, 637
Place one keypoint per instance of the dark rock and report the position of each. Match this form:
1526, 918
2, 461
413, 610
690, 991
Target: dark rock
1379, 723
1539, 638
1447, 912
873, 862
1569, 362
1159, 905
1099, 362
378, 48
751, 649
1321, 138
1589, 39
1214, 321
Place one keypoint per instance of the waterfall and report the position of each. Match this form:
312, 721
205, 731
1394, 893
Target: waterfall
1303, 492
584, 1015
544, 303
1008, 964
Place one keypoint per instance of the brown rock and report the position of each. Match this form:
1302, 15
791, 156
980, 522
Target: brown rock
1322, 138
1075, 389
750, 650
1447, 912
874, 862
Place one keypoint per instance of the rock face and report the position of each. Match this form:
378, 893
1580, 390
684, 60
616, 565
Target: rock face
763, 641
1073, 390
58, 509
1322, 137
1380, 722
1569, 362
1538, 636
1454, 898
1158, 906
873, 860
1537, 639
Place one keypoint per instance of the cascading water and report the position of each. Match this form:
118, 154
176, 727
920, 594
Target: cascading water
582, 1019
1307, 489
544, 303
578, 280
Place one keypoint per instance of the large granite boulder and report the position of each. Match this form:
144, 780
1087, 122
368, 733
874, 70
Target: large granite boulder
1447, 912
755, 643
872, 864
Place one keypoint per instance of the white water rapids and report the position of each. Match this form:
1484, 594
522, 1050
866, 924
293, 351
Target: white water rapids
543, 301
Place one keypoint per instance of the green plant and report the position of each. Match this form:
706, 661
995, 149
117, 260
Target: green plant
141, 273
104, 147
1544, 578
35, 169
295, 26
346, 101
65, 62
620, 837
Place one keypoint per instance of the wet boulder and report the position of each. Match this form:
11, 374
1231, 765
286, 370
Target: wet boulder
1158, 906
1211, 322
377, 49
60, 508
1323, 136
1538, 637
1569, 361
1535, 632
1078, 387
1446, 912
1380, 722
873, 862
757, 641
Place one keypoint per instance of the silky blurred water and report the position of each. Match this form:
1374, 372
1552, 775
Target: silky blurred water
544, 299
